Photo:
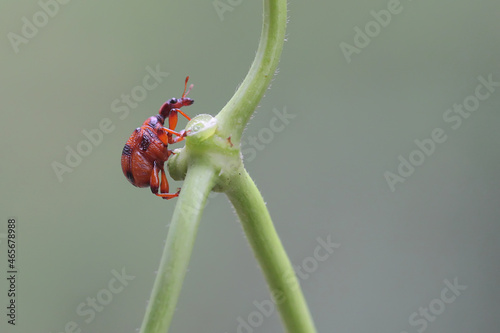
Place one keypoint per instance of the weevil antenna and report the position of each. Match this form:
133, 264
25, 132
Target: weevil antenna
184, 94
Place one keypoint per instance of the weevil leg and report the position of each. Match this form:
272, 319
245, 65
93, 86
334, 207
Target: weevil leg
163, 136
172, 132
155, 183
164, 187
179, 136
185, 115
168, 196
172, 119
166, 135
164, 182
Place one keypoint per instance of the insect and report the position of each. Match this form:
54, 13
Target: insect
146, 151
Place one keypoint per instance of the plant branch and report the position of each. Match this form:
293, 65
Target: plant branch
237, 112
261, 234
179, 244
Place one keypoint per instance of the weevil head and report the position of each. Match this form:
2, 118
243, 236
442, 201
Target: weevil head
177, 103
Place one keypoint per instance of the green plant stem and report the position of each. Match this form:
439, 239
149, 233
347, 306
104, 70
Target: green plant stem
261, 234
178, 247
237, 112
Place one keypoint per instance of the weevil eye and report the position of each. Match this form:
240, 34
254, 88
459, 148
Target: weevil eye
173, 101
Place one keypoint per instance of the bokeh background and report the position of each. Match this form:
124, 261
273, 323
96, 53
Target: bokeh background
321, 176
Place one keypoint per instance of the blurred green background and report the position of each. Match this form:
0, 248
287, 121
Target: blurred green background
322, 175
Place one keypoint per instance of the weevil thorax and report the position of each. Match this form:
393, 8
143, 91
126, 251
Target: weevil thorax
155, 121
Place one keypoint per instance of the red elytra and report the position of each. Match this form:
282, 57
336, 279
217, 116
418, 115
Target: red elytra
146, 151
